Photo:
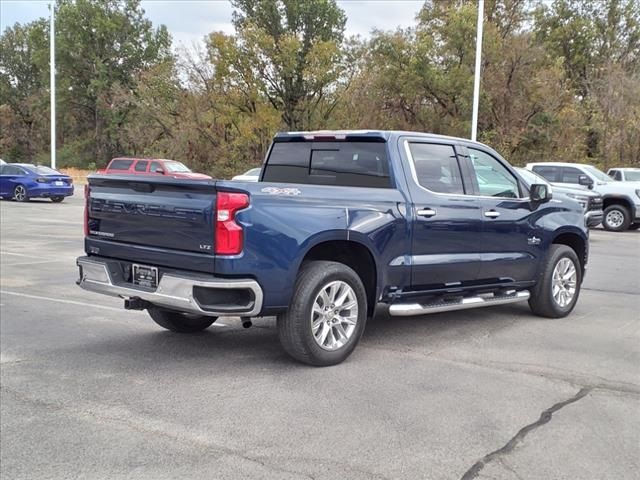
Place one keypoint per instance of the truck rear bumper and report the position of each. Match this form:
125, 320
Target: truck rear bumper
181, 291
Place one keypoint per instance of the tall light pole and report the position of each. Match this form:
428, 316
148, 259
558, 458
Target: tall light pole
476, 78
52, 80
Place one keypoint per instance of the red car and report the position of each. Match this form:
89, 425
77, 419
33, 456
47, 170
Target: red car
151, 166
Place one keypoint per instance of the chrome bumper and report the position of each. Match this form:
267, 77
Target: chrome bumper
174, 291
593, 218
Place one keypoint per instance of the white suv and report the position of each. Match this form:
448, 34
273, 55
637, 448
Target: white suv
621, 199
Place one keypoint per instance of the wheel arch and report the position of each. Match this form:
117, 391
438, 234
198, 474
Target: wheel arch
609, 200
577, 242
355, 255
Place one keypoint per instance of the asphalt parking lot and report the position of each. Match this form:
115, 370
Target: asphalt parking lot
91, 391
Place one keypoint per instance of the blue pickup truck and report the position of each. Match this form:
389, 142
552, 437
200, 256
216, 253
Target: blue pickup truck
340, 222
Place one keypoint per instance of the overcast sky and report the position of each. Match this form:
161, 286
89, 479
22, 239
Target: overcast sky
190, 20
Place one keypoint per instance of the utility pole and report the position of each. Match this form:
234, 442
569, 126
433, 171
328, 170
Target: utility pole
476, 74
52, 80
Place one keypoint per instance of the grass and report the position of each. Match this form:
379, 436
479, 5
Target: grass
79, 175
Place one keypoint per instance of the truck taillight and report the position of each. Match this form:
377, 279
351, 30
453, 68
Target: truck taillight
87, 191
229, 235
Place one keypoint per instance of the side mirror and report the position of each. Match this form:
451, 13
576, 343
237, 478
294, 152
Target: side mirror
585, 181
159, 171
540, 193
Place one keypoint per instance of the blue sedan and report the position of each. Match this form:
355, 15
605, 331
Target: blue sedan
22, 181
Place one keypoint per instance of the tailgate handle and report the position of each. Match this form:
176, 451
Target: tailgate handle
142, 187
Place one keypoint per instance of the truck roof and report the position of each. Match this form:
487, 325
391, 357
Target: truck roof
382, 134
559, 164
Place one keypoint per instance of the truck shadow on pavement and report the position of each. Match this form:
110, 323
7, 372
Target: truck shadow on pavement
258, 346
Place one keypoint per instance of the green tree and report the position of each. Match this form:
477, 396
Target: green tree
102, 48
599, 46
24, 70
287, 50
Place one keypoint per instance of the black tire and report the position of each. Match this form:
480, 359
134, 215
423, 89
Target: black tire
20, 194
634, 226
542, 301
180, 322
57, 199
615, 212
295, 326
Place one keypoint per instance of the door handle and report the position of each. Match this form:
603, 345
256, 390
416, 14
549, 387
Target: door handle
426, 212
491, 214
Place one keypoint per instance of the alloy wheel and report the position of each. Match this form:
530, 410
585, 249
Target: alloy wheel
564, 282
334, 315
20, 193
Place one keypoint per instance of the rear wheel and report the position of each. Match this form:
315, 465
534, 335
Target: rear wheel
57, 199
327, 315
20, 194
558, 289
616, 218
180, 322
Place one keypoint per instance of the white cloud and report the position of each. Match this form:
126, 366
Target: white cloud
365, 15
189, 21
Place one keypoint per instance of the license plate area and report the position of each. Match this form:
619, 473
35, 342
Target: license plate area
58, 183
145, 276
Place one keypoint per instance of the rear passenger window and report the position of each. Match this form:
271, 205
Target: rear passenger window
436, 167
571, 175
120, 164
348, 164
288, 163
551, 174
141, 166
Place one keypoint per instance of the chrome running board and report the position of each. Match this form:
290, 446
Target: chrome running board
409, 309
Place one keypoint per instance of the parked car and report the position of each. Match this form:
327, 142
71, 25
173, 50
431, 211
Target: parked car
340, 222
252, 175
151, 166
621, 200
590, 201
23, 181
625, 174
2, 162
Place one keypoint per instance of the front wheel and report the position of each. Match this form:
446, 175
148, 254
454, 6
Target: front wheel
616, 218
558, 288
327, 315
180, 322
20, 194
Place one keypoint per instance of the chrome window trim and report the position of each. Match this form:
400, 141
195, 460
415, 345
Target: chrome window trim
414, 176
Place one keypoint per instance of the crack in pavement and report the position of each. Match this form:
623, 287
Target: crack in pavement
545, 417
549, 372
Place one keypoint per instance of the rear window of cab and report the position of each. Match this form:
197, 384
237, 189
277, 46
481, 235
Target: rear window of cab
346, 164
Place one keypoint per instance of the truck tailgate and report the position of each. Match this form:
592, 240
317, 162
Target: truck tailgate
155, 212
